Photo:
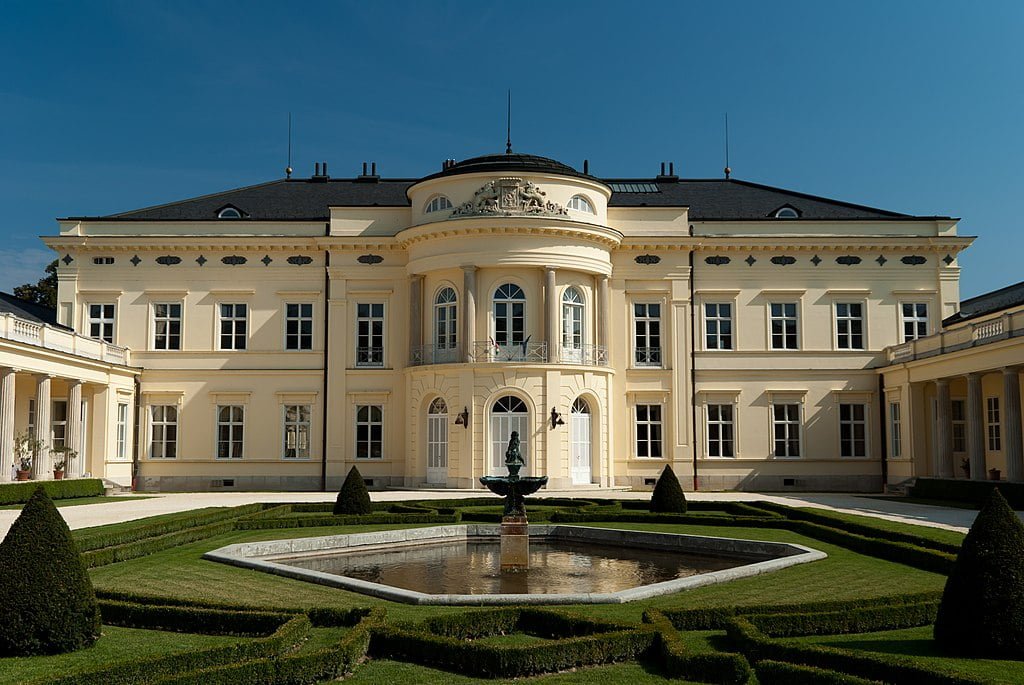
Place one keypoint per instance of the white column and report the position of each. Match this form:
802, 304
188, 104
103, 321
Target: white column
415, 313
7, 377
468, 311
604, 314
975, 427
41, 466
74, 428
551, 314
1012, 446
943, 429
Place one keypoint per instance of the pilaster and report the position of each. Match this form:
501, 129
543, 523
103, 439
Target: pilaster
943, 429
975, 427
1012, 446
7, 399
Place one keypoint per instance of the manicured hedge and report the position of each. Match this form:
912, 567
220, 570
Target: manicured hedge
668, 497
725, 668
968, 491
19, 493
97, 538
191, 619
780, 673
862, 620
315, 521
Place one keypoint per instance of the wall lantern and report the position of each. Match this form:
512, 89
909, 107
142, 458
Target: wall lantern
462, 419
556, 419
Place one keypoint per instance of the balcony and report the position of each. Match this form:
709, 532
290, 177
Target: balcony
20, 330
434, 354
369, 357
487, 351
525, 352
1009, 325
585, 355
647, 356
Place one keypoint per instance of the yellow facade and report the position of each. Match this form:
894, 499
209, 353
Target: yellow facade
586, 275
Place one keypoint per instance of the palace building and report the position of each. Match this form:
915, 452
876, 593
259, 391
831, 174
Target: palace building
272, 336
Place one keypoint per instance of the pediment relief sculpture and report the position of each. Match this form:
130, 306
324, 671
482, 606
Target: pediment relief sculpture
509, 197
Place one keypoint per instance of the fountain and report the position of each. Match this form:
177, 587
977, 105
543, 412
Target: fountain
515, 532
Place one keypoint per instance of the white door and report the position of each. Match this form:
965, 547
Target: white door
579, 429
508, 414
437, 442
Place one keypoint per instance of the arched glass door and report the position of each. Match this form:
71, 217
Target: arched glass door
437, 442
509, 321
445, 326
572, 325
580, 439
508, 414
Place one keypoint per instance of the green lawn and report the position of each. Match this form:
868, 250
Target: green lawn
928, 532
75, 501
918, 644
384, 672
115, 644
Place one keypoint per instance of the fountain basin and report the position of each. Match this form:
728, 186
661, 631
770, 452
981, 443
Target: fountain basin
626, 554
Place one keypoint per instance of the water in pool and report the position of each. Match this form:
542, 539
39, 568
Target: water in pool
556, 567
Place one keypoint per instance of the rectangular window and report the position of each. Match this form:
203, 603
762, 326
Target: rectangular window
101, 322
32, 417
915, 320
783, 325
163, 429
646, 334
717, 326
786, 429
721, 432
298, 326
296, 431
369, 431
230, 431
648, 430
895, 431
167, 326
849, 325
370, 334
122, 430
234, 326
59, 423
958, 408
995, 438
853, 430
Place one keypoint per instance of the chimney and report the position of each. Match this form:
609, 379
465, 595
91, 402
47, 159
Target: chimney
671, 175
371, 177
320, 172
586, 166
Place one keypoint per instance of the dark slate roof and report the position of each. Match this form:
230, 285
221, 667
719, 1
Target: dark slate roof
310, 199
9, 304
988, 303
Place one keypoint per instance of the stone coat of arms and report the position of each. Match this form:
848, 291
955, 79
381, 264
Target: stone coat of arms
508, 197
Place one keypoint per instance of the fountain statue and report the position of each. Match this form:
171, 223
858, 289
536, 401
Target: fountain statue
515, 535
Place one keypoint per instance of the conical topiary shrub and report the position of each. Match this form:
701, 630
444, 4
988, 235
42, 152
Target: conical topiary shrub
353, 497
48, 602
982, 609
668, 497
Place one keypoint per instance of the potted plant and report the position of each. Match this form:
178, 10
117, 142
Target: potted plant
994, 474
26, 447
62, 455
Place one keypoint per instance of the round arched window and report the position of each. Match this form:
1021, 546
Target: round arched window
787, 213
581, 204
229, 213
438, 203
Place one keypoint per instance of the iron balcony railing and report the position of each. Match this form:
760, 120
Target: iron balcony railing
434, 354
647, 356
586, 355
370, 356
526, 351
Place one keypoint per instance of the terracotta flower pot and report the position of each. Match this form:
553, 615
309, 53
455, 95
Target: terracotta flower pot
58, 474
23, 475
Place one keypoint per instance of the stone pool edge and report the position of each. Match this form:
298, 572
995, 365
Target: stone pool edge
253, 555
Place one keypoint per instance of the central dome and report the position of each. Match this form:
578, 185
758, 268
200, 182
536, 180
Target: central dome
510, 163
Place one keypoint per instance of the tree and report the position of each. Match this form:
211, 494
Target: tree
48, 601
668, 497
982, 609
44, 292
353, 497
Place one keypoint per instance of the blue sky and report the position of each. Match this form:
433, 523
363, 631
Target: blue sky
910, 106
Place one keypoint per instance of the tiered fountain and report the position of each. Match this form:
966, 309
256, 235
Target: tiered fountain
515, 532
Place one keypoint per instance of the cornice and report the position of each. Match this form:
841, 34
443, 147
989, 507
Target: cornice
166, 243
594, 233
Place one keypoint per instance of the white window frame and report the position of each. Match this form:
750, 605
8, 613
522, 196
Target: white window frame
163, 423
371, 356
168, 320
788, 424
101, 320
438, 203
959, 425
649, 441
31, 427
895, 429
574, 315
718, 319
56, 423
122, 430
234, 427
509, 303
369, 423
300, 318
646, 319
915, 320
865, 422
581, 203
437, 434
993, 424
709, 422
784, 318
449, 339
836, 319
303, 423
234, 321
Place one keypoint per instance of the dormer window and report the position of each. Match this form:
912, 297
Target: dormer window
581, 204
787, 212
229, 213
438, 203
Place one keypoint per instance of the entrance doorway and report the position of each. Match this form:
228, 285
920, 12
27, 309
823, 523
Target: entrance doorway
580, 439
437, 442
508, 414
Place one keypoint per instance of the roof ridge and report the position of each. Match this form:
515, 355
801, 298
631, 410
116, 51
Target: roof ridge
819, 198
192, 199
991, 293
